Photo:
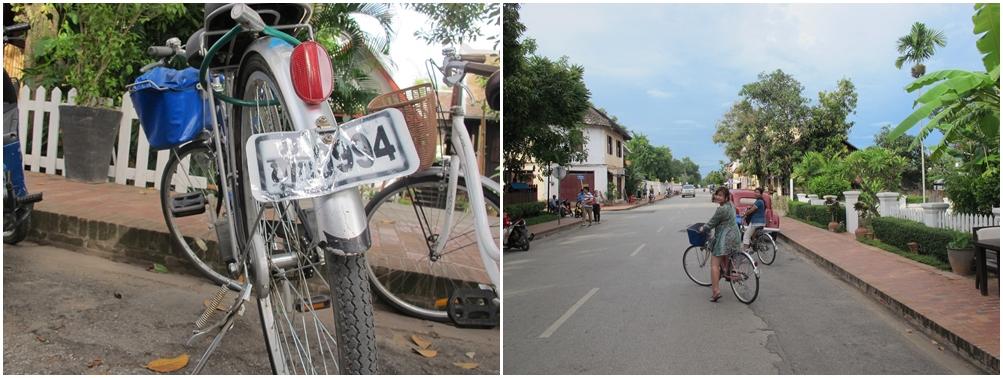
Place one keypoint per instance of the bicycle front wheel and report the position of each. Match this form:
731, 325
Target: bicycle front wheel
766, 249
696, 264
313, 324
745, 284
406, 219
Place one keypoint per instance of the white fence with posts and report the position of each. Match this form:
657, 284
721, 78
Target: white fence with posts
936, 215
39, 116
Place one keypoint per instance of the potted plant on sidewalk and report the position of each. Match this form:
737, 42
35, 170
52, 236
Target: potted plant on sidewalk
961, 254
96, 50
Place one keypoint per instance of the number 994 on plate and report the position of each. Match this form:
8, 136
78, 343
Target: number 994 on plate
315, 162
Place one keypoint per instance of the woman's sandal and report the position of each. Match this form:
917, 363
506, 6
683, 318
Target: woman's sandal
715, 298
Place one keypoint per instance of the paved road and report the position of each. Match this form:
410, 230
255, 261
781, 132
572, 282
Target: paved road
613, 299
60, 313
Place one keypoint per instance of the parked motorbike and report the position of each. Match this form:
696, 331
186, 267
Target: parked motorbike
517, 234
17, 202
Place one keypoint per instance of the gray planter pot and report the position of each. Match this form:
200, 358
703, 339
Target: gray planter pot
88, 140
961, 260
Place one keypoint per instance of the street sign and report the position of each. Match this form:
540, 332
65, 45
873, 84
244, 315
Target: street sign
581, 177
560, 172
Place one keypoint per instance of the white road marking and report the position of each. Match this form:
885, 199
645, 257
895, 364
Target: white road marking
660, 229
571, 311
513, 262
637, 250
513, 293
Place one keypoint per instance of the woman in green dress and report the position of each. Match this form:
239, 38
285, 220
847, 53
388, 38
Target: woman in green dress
727, 238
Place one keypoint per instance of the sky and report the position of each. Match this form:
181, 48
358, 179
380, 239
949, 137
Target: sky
409, 53
670, 71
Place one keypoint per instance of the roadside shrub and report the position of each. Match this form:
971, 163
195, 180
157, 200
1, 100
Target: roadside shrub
525, 210
815, 214
898, 232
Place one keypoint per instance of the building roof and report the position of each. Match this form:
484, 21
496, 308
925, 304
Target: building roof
594, 117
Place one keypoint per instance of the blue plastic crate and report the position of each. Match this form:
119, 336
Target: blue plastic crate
169, 106
696, 237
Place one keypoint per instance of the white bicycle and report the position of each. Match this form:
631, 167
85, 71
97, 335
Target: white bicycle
436, 236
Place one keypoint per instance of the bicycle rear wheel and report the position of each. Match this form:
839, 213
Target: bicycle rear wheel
696, 264
766, 249
315, 306
405, 219
192, 169
746, 284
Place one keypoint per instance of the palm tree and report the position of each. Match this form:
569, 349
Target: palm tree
339, 30
918, 46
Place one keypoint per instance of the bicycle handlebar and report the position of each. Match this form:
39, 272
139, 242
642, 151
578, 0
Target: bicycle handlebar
16, 28
159, 51
476, 58
247, 18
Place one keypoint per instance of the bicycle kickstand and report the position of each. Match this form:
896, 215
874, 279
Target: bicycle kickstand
223, 326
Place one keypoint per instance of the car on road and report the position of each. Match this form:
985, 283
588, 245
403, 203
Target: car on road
689, 190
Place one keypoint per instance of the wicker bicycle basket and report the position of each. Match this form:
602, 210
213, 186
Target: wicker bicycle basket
418, 105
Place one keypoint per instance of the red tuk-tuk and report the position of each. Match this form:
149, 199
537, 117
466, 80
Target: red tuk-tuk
742, 199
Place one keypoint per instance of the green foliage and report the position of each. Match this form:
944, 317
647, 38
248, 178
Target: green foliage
964, 106
899, 232
912, 198
455, 23
822, 173
961, 241
650, 162
525, 210
542, 218
818, 215
918, 46
99, 47
717, 177
545, 101
771, 128
925, 259
903, 146
972, 193
828, 185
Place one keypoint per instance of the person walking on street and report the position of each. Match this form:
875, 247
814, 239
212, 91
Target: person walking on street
599, 199
726, 238
588, 200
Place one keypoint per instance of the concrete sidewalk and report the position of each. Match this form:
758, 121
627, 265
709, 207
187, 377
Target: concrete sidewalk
944, 305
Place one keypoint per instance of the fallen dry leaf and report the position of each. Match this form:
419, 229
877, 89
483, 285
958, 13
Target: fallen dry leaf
420, 342
118, 295
40, 339
97, 362
466, 365
167, 365
940, 347
427, 353
470, 355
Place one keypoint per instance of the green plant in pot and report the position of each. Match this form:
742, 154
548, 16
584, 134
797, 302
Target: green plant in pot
96, 50
833, 206
865, 213
961, 254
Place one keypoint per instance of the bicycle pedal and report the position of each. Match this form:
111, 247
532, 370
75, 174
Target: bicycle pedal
186, 204
317, 302
470, 307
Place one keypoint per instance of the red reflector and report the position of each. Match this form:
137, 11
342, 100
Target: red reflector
310, 67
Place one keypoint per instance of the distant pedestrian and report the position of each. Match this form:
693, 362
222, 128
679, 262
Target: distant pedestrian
588, 201
595, 207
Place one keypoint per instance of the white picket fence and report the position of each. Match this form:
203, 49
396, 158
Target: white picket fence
948, 220
33, 111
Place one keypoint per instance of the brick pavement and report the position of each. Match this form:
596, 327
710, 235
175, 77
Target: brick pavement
117, 220
942, 303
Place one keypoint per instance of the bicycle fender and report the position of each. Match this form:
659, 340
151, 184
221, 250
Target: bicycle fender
341, 216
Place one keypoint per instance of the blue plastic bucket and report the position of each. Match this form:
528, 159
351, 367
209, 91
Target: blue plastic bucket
170, 108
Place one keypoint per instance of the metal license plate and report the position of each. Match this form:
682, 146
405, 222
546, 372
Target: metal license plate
316, 162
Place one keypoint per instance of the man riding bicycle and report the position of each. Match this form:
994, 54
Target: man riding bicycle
755, 216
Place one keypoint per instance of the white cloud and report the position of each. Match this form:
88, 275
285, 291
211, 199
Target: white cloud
657, 93
409, 53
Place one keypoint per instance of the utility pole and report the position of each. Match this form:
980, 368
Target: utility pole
922, 168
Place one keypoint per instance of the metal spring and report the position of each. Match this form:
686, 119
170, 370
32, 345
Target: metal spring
211, 308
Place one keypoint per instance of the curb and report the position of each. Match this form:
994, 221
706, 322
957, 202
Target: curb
552, 231
982, 359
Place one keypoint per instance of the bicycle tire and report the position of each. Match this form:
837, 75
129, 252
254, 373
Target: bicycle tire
212, 267
351, 307
419, 306
701, 264
766, 249
21, 231
743, 265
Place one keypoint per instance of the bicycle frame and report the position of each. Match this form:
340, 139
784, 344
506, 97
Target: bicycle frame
466, 159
